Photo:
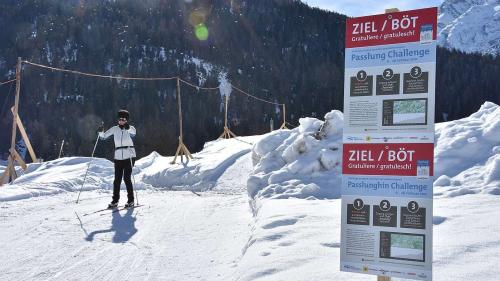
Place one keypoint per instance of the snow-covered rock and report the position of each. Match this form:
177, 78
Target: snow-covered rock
303, 163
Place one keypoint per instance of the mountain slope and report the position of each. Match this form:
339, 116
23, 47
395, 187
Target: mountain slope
470, 26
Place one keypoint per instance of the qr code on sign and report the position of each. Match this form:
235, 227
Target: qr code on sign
423, 168
426, 31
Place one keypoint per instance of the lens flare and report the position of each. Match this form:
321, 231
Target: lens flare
201, 32
197, 17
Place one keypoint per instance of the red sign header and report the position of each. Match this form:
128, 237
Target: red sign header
392, 28
395, 159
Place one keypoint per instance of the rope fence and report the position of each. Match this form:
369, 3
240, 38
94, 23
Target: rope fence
119, 77
254, 97
198, 87
182, 149
98, 75
7, 82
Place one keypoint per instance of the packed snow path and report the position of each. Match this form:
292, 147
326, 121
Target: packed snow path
176, 235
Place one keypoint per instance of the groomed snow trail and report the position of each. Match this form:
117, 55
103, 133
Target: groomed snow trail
176, 235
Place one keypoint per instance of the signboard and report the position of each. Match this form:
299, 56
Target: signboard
388, 151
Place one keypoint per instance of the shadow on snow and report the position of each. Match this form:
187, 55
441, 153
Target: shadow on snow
122, 226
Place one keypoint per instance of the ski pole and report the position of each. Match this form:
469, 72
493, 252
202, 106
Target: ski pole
88, 166
133, 177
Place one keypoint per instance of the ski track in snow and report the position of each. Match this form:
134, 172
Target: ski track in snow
174, 236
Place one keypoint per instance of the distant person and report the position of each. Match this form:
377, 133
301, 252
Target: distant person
124, 157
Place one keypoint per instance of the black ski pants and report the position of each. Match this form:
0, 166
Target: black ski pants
123, 170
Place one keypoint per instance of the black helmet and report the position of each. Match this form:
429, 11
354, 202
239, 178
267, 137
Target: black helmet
122, 113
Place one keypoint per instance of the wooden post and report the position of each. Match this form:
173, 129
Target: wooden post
16, 103
60, 150
283, 126
19, 159
386, 278
226, 134
181, 149
179, 108
10, 172
391, 10
24, 135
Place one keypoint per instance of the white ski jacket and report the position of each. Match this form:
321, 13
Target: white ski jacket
124, 146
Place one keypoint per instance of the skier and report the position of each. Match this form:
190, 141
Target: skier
124, 157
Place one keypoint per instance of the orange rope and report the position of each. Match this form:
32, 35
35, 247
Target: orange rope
144, 78
198, 87
257, 98
6, 82
99, 76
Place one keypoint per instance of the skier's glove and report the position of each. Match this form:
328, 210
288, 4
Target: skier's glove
100, 129
127, 126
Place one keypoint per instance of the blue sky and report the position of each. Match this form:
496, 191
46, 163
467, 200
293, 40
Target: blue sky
369, 7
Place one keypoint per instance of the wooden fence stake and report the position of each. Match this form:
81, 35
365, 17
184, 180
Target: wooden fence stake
10, 172
61, 149
22, 130
227, 134
283, 126
181, 149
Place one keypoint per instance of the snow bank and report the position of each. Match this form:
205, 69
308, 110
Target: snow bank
52, 177
303, 163
152, 171
198, 174
306, 162
467, 154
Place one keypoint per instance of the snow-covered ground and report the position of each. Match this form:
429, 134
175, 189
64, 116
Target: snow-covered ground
269, 211
175, 235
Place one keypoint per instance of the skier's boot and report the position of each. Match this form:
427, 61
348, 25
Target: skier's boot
129, 204
112, 205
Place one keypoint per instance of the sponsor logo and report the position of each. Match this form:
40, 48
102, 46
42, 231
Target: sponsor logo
351, 138
412, 273
352, 267
422, 275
